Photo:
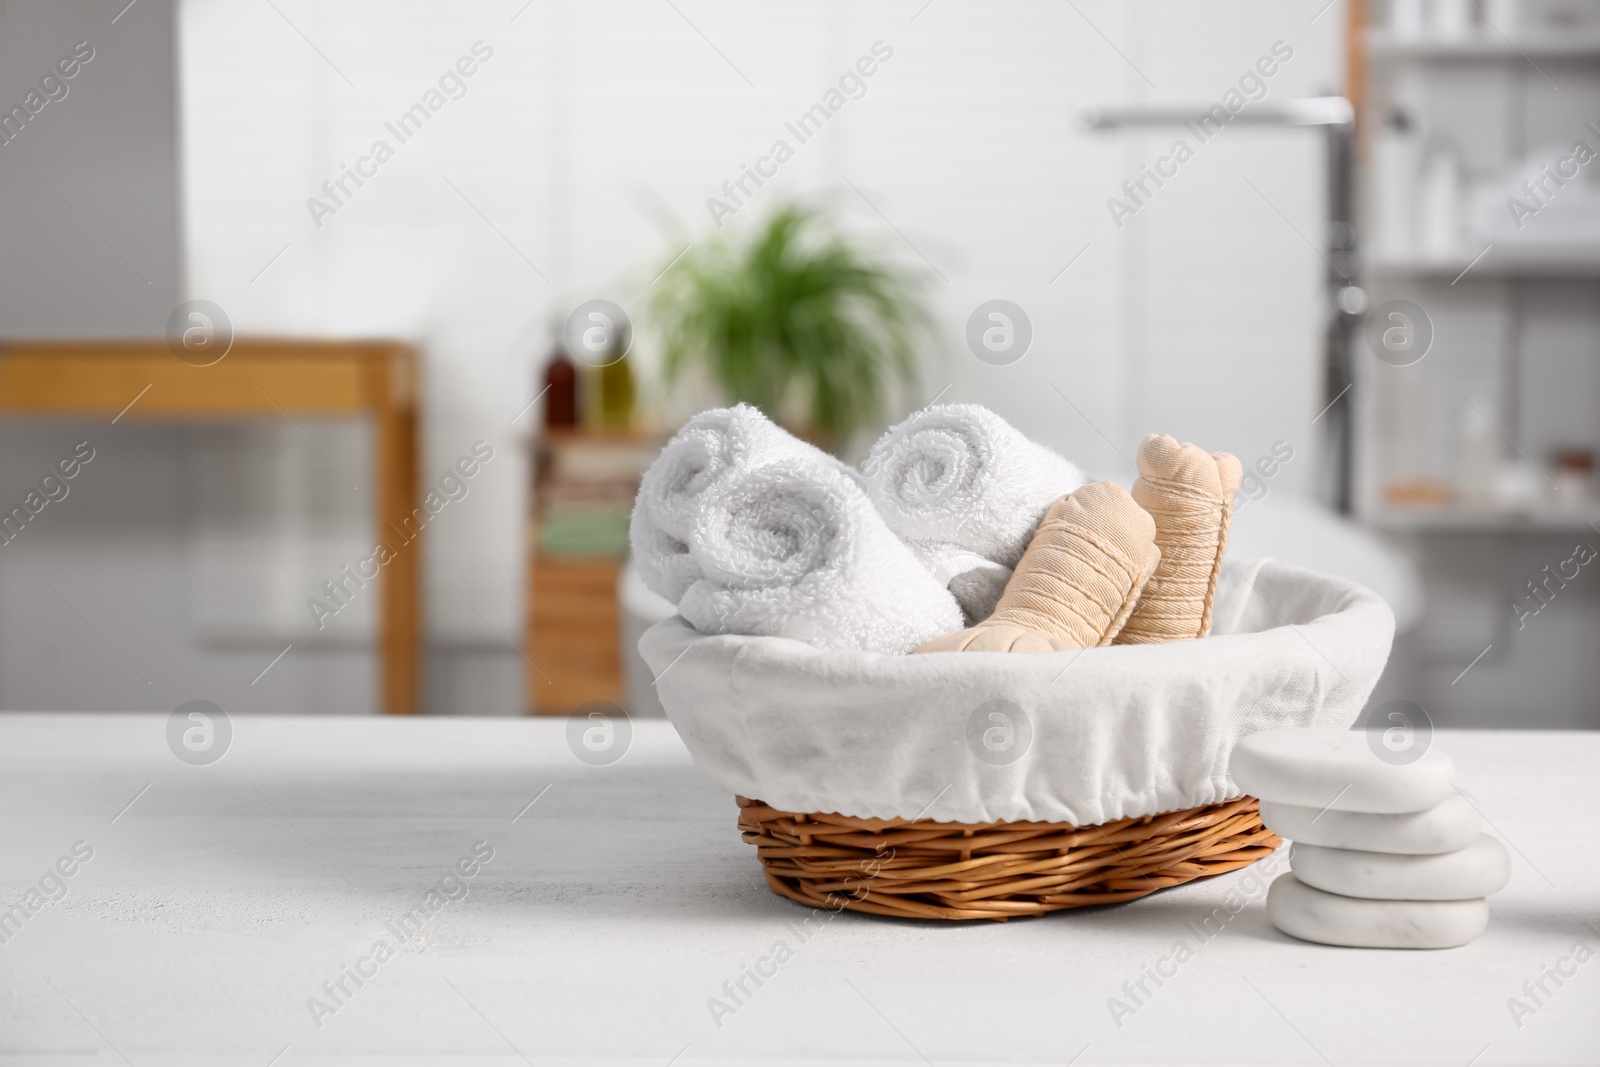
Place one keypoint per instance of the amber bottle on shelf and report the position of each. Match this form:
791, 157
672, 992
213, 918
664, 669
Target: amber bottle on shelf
561, 392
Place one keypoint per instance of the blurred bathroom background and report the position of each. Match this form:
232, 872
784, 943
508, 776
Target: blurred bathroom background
1370, 271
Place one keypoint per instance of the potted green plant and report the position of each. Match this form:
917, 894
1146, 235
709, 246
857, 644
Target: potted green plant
795, 319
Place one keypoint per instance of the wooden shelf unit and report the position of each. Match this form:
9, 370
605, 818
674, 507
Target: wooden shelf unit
574, 631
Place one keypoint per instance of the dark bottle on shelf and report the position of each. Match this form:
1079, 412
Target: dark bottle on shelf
561, 396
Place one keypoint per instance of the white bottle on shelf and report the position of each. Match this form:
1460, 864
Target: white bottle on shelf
1451, 19
1501, 15
1396, 159
1406, 19
1518, 486
1440, 193
1478, 478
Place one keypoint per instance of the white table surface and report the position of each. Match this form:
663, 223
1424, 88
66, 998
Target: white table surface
225, 895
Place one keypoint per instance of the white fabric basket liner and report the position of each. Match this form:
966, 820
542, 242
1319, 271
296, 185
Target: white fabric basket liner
1116, 732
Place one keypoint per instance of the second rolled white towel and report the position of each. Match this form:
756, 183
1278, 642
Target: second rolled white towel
965, 490
795, 549
711, 449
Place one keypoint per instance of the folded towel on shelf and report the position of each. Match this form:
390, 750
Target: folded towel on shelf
965, 490
713, 448
795, 549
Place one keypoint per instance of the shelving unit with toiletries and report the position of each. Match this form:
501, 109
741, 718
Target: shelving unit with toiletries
1480, 205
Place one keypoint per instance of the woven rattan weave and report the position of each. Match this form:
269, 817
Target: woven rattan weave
934, 870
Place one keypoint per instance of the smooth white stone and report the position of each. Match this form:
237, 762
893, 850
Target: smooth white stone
1447, 827
1481, 868
1336, 769
1329, 919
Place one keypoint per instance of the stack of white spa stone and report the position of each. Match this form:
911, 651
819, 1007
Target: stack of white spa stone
1386, 855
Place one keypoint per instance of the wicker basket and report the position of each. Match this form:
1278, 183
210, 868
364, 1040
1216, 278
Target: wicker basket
1139, 729
949, 870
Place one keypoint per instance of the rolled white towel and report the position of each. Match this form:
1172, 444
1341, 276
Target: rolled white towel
795, 549
702, 457
966, 490
662, 560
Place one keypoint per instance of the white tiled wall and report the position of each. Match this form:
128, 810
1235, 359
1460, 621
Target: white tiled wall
584, 150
